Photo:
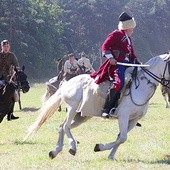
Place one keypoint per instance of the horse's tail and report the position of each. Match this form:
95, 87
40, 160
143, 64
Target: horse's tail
45, 97
45, 112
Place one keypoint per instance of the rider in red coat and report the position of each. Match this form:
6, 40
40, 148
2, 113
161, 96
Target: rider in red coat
117, 47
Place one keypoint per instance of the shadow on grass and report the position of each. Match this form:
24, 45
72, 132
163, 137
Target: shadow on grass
162, 161
154, 105
31, 109
25, 142
17, 142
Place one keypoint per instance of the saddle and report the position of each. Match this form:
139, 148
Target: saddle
95, 95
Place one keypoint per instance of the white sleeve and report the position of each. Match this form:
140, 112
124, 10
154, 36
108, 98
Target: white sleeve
65, 67
109, 56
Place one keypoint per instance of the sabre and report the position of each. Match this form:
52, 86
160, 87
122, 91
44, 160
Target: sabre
133, 65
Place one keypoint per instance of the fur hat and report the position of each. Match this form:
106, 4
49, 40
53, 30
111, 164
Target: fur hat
126, 22
4, 42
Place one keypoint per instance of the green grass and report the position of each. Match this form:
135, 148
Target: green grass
145, 148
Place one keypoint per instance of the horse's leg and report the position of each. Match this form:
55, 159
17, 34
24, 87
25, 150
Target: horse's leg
166, 98
123, 126
64, 128
59, 145
11, 109
59, 108
70, 116
122, 137
78, 120
19, 100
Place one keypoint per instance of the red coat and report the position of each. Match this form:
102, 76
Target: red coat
116, 40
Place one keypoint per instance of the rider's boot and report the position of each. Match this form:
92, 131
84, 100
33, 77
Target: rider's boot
11, 116
110, 103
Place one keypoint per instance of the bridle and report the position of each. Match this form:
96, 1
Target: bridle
162, 80
21, 82
14, 79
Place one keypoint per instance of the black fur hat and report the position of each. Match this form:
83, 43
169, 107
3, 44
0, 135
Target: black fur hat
126, 21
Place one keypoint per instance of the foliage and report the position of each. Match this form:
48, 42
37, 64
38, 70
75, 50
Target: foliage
87, 22
34, 33
42, 30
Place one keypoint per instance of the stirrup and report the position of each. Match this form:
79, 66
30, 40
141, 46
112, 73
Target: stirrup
112, 112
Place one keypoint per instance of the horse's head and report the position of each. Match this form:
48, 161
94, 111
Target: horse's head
163, 63
21, 79
166, 58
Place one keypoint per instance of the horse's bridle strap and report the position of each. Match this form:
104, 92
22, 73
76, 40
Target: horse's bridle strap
158, 79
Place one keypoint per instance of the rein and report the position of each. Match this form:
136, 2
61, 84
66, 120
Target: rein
162, 81
130, 93
12, 81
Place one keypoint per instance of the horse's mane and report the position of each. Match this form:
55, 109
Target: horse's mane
152, 62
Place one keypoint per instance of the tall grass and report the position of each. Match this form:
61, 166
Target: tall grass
145, 148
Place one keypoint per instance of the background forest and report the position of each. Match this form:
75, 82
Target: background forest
40, 31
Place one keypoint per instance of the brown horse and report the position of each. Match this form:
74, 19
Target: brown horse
166, 94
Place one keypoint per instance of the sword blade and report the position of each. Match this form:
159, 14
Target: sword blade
132, 65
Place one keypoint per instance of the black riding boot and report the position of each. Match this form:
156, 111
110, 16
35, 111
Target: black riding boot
10, 116
111, 102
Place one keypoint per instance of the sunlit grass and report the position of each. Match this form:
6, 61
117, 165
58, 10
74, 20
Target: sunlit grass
145, 148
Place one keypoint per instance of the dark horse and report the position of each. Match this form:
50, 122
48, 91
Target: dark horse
166, 90
17, 81
166, 94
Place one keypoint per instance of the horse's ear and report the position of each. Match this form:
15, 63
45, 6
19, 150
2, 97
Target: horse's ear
15, 69
23, 68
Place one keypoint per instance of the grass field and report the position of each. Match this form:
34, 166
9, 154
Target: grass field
145, 148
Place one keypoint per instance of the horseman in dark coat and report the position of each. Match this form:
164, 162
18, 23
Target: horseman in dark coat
116, 48
7, 59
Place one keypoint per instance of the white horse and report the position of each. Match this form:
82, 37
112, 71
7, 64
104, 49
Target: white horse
81, 94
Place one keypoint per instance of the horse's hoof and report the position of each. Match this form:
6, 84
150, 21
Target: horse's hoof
51, 155
111, 157
72, 152
138, 124
96, 148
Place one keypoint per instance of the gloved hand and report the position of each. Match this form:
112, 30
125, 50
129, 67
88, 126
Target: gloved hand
112, 61
135, 71
136, 61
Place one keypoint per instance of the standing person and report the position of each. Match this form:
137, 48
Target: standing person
116, 48
70, 67
85, 64
7, 59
